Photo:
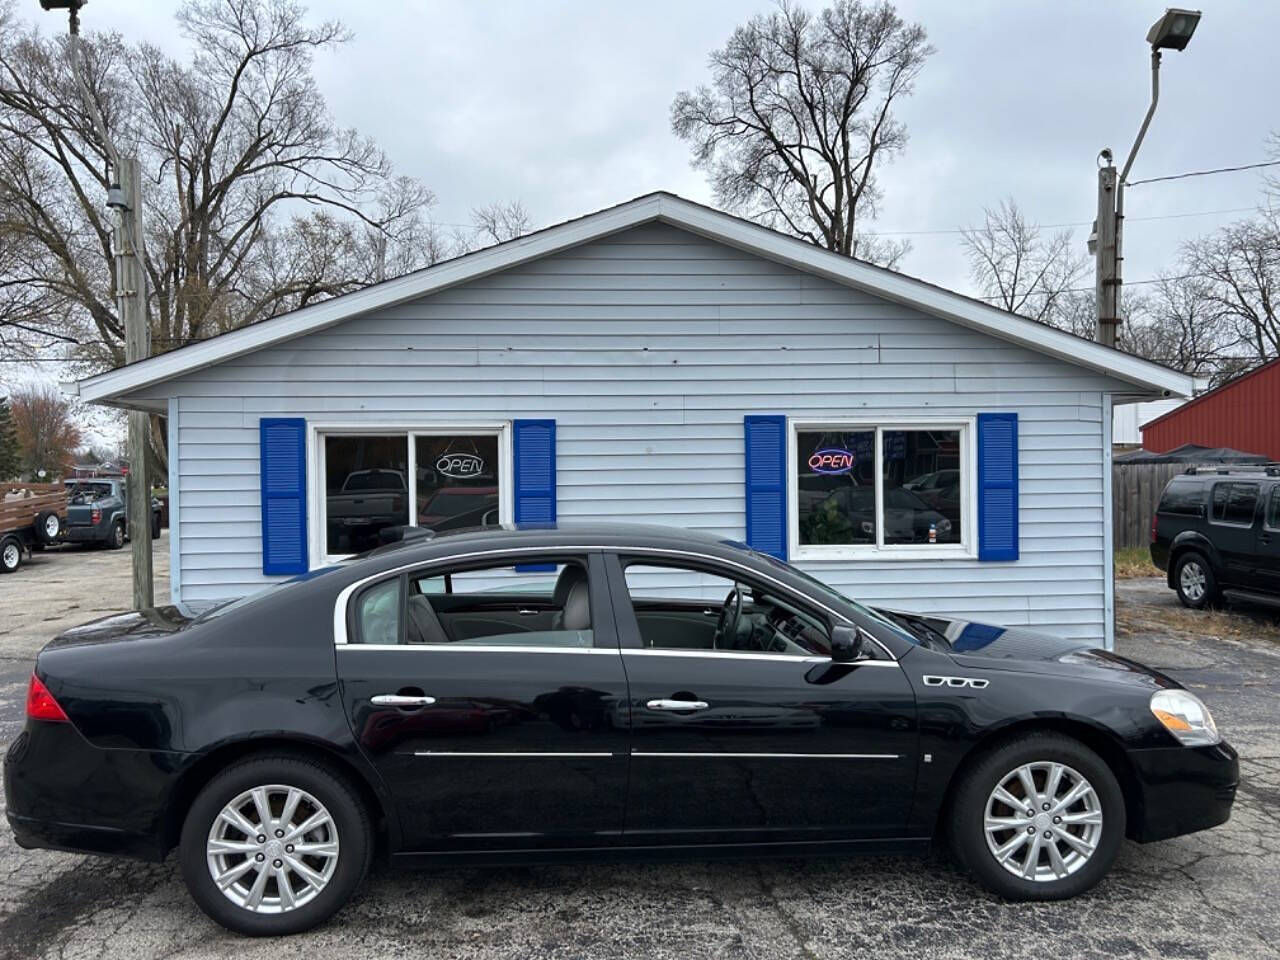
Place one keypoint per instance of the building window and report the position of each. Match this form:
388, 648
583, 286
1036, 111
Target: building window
860, 489
445, 480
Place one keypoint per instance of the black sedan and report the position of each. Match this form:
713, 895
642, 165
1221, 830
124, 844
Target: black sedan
509, 696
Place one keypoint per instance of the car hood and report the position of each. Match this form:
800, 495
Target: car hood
130, 625
988, 646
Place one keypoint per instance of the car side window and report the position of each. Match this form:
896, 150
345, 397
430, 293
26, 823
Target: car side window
1273, 508
690, 609
541, 603
1234, 503
378, 613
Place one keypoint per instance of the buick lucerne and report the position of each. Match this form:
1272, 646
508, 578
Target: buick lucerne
511, 696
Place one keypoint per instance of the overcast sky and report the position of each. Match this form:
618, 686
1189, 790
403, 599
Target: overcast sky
565, 106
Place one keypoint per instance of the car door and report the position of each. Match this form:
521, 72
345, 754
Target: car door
491, 741
736, 744
1233, 528
1268, 549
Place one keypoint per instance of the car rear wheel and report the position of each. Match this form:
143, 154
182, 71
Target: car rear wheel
1194, 580
115, 539
1038, 818
274, 845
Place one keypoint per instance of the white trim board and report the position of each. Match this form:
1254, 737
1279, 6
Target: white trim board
1152, 379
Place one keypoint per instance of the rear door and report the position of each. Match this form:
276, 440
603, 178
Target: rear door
1268, 554
753, 735
487, 739
1233, 525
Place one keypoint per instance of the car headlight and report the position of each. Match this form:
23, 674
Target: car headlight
1184, 716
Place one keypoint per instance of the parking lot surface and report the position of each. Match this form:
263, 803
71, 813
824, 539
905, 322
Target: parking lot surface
1204, 896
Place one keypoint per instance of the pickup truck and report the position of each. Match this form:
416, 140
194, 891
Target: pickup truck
367, 501
97, 512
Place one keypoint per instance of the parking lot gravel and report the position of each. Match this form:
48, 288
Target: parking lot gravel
1208, 895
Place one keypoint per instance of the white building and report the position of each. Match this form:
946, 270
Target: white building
660, 361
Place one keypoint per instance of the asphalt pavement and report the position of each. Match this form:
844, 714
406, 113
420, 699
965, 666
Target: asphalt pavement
1204, 896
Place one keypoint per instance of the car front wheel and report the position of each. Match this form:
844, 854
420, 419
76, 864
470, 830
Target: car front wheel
274, 845
1039, 818
1194, 580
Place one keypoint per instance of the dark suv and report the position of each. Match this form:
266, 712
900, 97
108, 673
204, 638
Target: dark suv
1218, 532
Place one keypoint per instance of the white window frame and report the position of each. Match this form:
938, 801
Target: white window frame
966, 549
317, 432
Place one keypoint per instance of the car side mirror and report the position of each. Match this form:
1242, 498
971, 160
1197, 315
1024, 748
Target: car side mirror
847, 644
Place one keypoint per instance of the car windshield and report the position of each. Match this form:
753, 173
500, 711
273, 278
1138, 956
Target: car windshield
374, 480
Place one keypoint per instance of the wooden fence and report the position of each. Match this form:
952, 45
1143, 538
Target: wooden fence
1135, 492
21, 503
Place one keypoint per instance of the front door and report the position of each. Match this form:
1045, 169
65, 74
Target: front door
1268, 553
491, 698
743, 730
1233, 506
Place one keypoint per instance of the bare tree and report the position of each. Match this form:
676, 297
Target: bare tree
47, 434
500, 222
1240, 267
1020, 269
256, 202
799, 117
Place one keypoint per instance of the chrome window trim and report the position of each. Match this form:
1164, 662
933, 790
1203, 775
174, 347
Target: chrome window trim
512, 753
479, 648
340, 605
747, 655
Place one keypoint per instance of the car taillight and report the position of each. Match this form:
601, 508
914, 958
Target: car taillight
1153, 528
41, 705
95, 515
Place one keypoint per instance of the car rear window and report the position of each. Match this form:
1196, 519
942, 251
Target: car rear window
1182, 498
1234, 503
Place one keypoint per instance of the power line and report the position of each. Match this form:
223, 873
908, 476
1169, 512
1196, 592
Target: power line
1205, 173
1052, 226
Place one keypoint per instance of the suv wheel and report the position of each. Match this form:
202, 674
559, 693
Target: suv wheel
1193, 579
1038, 818
275, 845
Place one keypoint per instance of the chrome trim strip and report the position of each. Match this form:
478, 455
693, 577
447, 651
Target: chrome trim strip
771, 756
340, 606
501, 753
478, 648
745, 655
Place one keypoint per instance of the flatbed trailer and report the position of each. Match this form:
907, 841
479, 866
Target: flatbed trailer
32, 516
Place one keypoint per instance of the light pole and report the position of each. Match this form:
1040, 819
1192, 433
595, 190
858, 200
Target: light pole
1171, 32
124, 194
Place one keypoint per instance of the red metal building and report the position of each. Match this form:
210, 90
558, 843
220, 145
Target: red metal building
1244, 414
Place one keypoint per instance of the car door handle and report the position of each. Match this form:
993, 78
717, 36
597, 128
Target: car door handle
677, 704
400, 700
527, 612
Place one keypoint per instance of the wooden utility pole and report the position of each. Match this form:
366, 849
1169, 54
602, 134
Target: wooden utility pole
124, 194
1108, 259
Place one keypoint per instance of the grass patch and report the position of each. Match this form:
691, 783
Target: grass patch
1194, 624
1135, 562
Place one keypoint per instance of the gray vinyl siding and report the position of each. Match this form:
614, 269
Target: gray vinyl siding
647, 348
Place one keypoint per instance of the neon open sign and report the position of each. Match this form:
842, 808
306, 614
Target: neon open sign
460, 466
831, 460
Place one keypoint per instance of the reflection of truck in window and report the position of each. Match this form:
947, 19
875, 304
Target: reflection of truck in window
367, 501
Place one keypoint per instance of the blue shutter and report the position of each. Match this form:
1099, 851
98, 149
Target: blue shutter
283, 466
997, 486
765, 445
534, 453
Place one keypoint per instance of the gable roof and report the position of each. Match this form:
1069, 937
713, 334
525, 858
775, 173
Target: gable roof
1150, 378
1270, 369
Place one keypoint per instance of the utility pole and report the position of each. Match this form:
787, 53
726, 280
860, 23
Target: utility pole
124, 194
1171, 32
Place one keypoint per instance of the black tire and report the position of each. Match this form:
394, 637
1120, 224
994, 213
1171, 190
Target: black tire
979, 779
155, 525
1191, 569
48, 527
10, 554
350, 818
115, 536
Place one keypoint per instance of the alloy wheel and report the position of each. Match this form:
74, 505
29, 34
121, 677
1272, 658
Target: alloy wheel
1043, 821
1192, 580
272, 849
